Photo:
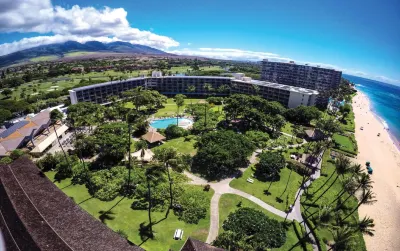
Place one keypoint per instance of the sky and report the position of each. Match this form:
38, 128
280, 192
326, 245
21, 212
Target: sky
358, 37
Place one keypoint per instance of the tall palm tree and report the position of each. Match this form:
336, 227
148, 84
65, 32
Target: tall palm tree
342, 166
55, 116
167, 155
365, 226
180, 101
363, 182
208, 89
154, 174
367, 198
130, 119
341, 237
191, 89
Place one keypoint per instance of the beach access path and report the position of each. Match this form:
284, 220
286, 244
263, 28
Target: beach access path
385, 161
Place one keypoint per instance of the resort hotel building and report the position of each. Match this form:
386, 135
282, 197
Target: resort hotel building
315, 78
289, 96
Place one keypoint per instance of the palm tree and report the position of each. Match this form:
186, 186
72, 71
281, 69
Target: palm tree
342, 166
111, 78
256, 89
367, 198
154, 174
130, 119
180, 101
55, 116
341, 236
364, 182
365, 226
191, 89
208, 88
167, 155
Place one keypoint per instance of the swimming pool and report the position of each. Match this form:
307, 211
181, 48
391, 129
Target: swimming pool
164, 123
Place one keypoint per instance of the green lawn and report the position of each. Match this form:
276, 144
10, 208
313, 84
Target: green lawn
287, 128
228, 203
348, 124
122, 217
316, 190
277, 188
345, 143
181, 145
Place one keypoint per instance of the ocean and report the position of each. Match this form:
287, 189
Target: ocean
385, 102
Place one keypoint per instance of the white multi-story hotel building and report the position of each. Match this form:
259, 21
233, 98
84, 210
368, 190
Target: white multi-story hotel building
289, 96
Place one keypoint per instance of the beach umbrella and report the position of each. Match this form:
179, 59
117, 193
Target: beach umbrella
368, 163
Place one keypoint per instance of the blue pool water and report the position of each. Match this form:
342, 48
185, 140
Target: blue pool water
164, 123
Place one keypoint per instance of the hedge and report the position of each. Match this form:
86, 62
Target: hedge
299, 233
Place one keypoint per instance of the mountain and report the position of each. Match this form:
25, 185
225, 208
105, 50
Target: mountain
59, 50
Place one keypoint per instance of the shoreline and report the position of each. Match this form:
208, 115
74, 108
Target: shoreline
384, 155
396, 141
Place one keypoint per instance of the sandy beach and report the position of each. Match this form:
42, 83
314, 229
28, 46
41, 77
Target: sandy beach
385, 160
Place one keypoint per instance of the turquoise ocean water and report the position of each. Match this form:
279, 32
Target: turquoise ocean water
385, 102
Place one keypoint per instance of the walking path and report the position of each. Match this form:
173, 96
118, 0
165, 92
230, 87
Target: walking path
222, 187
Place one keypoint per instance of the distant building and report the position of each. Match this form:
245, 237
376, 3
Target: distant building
77, 69
289, 96
315, 78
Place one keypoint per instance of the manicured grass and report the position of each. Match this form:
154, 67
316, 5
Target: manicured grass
181, 145
348, 124
43, 58
344, 143
277, 188
122, 217
228, 203
287, 128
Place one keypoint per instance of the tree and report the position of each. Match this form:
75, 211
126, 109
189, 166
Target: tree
208, 89
107, 184
341, 237
328, 126
365, 226
251, 228
86, 114
166, 155
180, 101
7, 92
303, 114
221, 153
55, 116
259, 138
4, 115
111, 142
174, 131
130, 119
191, 89
269, 167
367, 198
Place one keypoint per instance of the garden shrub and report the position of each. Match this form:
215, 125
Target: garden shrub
298, 167
6, 160
174, 131
15, 154
250, 229
192, 206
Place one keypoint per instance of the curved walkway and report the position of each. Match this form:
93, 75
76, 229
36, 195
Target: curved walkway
222, 187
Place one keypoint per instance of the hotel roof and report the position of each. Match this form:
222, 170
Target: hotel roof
280, 86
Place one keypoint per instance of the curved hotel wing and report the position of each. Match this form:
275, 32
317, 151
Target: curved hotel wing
289, 96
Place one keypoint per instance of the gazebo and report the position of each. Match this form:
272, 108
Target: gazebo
153, 136
145, 155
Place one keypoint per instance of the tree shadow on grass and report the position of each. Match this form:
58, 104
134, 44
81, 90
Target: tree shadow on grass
106, 215
66, 186
91, 197
145, 233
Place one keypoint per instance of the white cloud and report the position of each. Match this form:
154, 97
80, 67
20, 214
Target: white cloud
246, 55
80, 24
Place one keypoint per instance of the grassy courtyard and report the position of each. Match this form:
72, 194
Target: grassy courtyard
181, 144
345, 143
229, 203
120, 216
278, 197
